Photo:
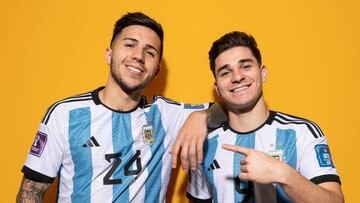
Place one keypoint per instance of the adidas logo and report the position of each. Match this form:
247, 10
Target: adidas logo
214, 165
91, 143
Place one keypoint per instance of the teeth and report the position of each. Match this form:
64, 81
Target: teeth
240, 88
134, 69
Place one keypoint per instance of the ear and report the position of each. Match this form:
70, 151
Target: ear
216, 88
264, 74
108, 56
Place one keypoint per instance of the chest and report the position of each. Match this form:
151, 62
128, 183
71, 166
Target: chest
220, 164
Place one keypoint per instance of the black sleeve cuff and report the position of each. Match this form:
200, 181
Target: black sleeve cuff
196, 200
326, 178
36, 176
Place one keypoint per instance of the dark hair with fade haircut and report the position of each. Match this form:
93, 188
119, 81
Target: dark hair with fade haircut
138, 18
230, 40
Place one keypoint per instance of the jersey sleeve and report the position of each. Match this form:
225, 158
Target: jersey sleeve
45, 156
175, 113
198, 189
316, 161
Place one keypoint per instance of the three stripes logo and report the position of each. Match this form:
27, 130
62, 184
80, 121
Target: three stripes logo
91, 142
214, 165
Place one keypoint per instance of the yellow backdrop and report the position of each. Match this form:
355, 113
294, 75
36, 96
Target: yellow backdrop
53, 49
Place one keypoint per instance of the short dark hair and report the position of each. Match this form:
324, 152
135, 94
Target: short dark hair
138, 18
230, 40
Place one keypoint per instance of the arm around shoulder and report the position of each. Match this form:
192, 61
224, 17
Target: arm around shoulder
193, 133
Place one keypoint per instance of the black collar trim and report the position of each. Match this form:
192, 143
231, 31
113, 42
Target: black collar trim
95, 96
268, 121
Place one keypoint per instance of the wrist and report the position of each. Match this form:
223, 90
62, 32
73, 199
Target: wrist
286, 174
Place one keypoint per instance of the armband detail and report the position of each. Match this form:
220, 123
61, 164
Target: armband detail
36, 176
196, 200
326, 178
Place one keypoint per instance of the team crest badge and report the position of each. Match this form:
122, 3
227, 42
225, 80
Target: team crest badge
277, 154
148, 134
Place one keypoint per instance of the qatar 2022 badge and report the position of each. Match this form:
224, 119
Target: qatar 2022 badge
148, 134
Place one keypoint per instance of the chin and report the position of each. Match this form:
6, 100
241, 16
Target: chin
241, 103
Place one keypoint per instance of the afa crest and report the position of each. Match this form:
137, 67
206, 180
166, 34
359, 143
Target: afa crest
148, 134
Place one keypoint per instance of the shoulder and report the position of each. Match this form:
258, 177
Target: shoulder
214, 133
157, 99
67, 104
298, 123
162, 102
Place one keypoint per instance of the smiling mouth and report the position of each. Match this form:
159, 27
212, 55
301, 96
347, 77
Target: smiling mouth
134, 69
239, 89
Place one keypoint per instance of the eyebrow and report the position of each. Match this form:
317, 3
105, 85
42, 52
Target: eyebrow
148, 46
246, 60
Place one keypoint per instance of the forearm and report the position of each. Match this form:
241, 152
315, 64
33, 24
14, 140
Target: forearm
299, 189
31, 191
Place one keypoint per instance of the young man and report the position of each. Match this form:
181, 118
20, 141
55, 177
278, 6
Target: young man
110, 145
259, 155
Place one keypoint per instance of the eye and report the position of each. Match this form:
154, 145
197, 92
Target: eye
247, 66
223, 73
129, 45
152, 54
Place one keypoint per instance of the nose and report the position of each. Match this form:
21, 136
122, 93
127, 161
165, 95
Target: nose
138, 54
237, 75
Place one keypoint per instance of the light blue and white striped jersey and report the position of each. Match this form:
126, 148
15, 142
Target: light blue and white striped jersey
298, 142
103, 155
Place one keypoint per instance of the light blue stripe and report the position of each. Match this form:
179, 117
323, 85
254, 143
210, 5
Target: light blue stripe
79, 133
286, 141
210, 147
122, 142
248, 141
154, 182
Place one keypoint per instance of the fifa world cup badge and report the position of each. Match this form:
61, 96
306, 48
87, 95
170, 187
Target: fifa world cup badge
148, 135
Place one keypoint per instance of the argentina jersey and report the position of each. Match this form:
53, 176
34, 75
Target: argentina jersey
298, 142
103, 155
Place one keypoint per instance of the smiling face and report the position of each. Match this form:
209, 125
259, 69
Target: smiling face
134, 58
239, 78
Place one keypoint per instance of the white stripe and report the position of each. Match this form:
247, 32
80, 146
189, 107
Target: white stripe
66, 174
102, 129
137, 189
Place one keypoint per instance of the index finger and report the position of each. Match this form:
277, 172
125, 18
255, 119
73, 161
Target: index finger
235, 148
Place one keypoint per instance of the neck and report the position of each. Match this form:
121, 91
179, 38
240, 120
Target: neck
116, 98
249, 119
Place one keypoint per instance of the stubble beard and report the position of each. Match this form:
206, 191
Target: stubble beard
245, 107
122, 84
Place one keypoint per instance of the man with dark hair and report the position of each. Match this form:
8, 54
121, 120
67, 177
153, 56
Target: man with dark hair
138, 18
259, 155
110, 145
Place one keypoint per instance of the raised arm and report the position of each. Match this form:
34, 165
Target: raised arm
189, 142
31, 191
